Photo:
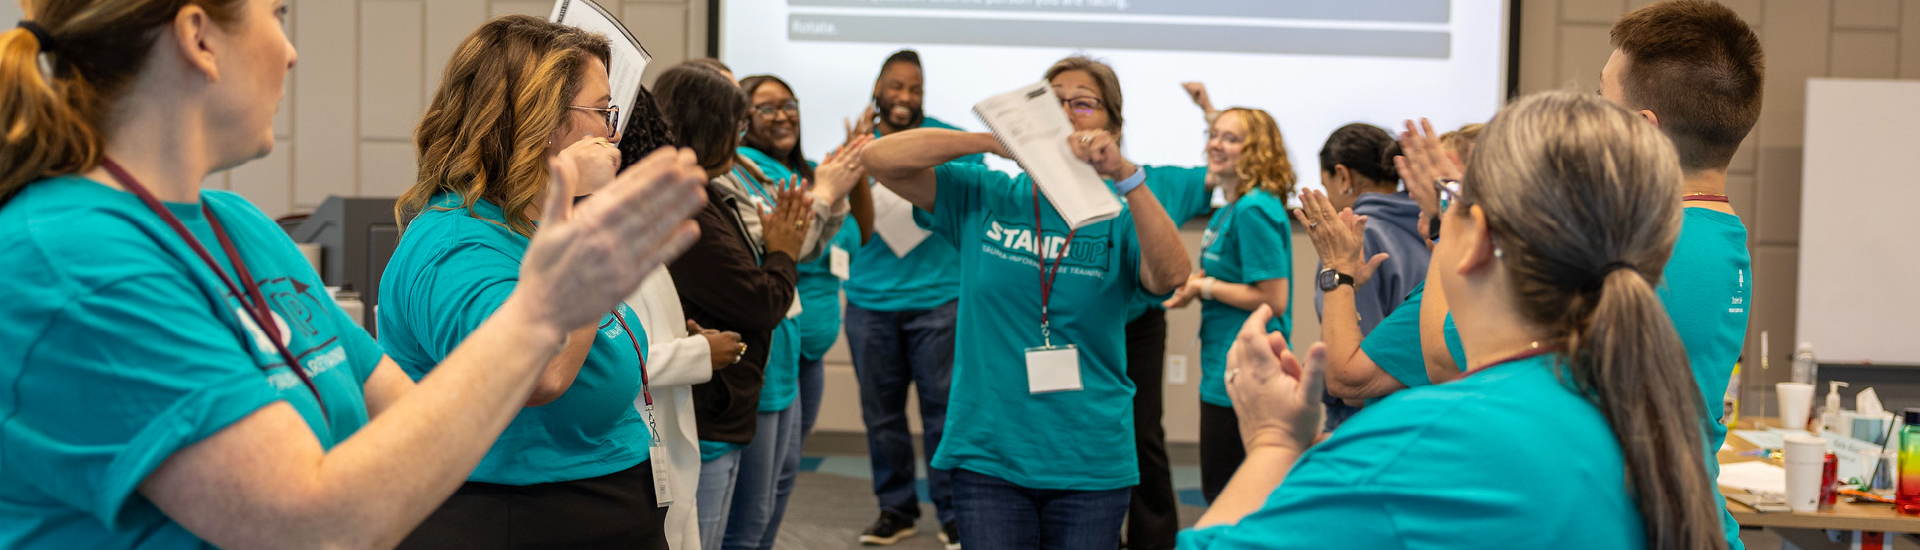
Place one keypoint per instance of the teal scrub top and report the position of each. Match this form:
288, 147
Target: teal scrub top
1394, 344
819, 321
452, 269
1706, 287
782, 383
1071, 440
1247, 242
1182, 191
1510, 456
121, 348
926, 278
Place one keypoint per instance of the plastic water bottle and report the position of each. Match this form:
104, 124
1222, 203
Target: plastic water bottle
1805, 370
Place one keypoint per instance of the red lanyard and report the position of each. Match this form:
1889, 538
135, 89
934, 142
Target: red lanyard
1047, 279
1537, 351
250, 298
646, 392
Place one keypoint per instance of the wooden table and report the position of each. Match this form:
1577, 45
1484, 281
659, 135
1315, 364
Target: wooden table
1844, 516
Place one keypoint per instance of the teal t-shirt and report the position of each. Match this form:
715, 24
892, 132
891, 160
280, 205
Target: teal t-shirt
926, 278
1247, 242
1071, 440
783, 367
1510, 454
1182, 191
452, 269
121, 347
819, 288
1705, 289
1394, 344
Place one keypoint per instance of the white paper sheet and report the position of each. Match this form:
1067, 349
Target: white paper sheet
629, 59
1030, 124
1755, 477
893, 221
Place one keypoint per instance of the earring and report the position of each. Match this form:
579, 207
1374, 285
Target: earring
1497, 252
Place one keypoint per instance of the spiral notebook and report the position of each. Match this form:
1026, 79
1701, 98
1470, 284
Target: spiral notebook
1031, 125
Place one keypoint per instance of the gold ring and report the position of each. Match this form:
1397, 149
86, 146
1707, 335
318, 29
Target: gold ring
799, 223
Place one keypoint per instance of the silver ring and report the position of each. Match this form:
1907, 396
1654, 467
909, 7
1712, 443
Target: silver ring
1312, 225
1230, 373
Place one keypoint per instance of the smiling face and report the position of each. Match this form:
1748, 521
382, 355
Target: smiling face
253, 57
1074, 86
775, 119
898, 94
579, 123
1226, 142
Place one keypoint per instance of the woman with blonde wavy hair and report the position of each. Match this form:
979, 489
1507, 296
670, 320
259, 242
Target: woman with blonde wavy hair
1246, 261
573, 467
146, 394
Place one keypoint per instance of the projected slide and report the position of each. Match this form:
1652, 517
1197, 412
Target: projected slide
1315, 65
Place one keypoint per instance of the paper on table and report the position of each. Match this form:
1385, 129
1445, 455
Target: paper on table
893, 220
629, 60
1761, 438
1755, 477
1030, 124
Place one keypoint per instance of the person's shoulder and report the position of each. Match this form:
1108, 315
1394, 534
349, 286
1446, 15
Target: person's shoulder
73, 228
1704, 221
1264, 205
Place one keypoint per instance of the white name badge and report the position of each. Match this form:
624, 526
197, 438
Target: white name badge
840, 262
1053, 369
662, 474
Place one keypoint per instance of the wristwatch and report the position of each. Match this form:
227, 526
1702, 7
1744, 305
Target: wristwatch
1330, 279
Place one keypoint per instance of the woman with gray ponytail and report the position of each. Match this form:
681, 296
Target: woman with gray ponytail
1551, 245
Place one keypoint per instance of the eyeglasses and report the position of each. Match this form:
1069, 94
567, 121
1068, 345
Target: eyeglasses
790, 107
612, 113
1082, 106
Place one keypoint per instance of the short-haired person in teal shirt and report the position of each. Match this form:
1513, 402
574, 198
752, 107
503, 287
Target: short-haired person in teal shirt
1042, 466
901, 310
146, 399
465, 235
1549, 251
772, 143
1246, 261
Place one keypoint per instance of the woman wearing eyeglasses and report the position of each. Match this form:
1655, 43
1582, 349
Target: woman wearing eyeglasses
1040, 461
572, 468
173, 373
1246, 262
1565, 220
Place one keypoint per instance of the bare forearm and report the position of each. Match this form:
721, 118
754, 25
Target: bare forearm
1259, 475
560, 372
1247, 297
904, 161
1163, 258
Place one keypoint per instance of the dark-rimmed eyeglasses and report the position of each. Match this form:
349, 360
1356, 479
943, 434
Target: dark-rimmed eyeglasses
768, 110
1082, 106
612, 113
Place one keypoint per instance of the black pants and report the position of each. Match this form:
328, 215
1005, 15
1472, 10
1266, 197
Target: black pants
1153, 517
616, 510
1221, 451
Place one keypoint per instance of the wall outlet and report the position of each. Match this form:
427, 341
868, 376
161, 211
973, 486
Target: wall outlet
1177, 370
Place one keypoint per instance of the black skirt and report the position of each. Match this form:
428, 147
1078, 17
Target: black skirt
616, 510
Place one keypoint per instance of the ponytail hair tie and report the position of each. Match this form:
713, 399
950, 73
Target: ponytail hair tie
1600, 277
39, 33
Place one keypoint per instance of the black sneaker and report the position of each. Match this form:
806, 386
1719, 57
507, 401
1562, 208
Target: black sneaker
950, 535
889, 529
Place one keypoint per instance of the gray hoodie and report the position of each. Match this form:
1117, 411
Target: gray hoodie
1393, 228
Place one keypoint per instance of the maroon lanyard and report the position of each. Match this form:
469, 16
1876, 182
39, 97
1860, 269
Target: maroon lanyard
1709, 197
247, 291
646, 391
1047, 279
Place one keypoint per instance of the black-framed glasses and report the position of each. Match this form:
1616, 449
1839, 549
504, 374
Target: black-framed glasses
1082, 106
790, 107
612, 112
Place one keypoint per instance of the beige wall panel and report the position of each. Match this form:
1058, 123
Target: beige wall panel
324, 104
1865, 54
1591, 11
386, 168
1776, 282
1795, 35
1866, 14
1742, 195
662, 28
1583, 51
1909, 53
392, 68
1539, 45
448, 22
1778, 196
537, 8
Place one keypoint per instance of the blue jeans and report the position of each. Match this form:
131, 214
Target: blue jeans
892, 350
813, 385
750, 523
715, 496
995, 514
813, 381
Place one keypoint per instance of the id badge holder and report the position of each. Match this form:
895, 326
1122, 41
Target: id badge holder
840, 262
658, 456
1053, 369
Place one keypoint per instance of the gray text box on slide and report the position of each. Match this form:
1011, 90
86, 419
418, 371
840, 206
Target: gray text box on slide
1106, 35
1417, 11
